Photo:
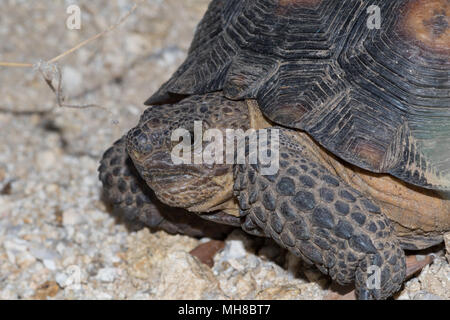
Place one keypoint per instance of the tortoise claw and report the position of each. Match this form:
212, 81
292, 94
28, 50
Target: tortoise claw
413, 266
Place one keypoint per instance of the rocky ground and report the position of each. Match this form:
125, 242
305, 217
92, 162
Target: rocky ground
57, 238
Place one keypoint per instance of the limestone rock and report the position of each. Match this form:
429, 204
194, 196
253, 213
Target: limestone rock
432, 283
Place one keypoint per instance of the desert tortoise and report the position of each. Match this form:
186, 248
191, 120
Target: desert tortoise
363, 118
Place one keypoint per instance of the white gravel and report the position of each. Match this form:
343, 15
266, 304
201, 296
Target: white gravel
57, 238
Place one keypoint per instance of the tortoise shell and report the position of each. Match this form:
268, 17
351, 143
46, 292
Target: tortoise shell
378, 98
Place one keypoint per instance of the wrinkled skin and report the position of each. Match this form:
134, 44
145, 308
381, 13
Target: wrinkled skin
307, 207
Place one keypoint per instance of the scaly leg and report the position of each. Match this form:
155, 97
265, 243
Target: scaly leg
315, 215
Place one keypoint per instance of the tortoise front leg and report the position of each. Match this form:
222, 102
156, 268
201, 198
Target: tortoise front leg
319, 218
132, 199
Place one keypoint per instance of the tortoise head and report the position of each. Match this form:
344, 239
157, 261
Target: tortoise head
166, 149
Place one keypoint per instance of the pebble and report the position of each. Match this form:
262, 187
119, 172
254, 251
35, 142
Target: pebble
72, 217
107, 275
234, 249
43, 253
49, 264
61, 279
14, 247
